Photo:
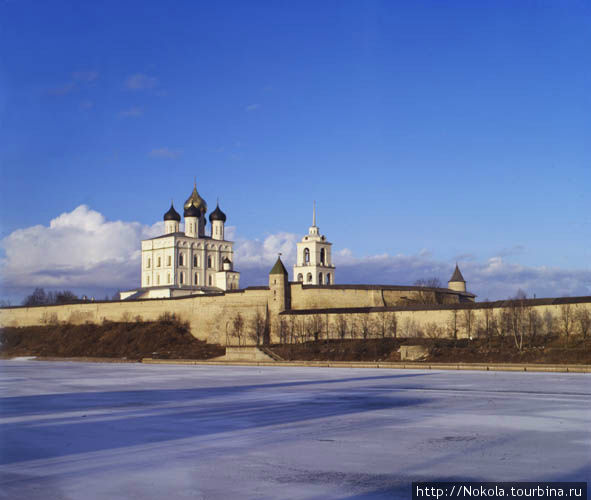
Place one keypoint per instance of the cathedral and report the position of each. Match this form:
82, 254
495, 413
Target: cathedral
190, 262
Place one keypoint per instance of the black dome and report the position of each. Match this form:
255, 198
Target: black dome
217, 214
172, 214
192, 211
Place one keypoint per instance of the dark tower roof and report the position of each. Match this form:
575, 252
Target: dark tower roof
278, 268
172, 214
217, 214
192, 211
457, 275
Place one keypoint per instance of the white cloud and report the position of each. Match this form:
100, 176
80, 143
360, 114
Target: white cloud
252, 107
140, 81
62, 90
82, 249
165, 153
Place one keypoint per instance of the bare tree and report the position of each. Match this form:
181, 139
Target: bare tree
566, 319
432, 330
238, 327
533, 320
549, 322
314, 327
468, 321
342, 326
583, 318
257, 328
516, 318
453, 323
432, 282
391, 324
427, 296
364, 326
488, 322
282, 329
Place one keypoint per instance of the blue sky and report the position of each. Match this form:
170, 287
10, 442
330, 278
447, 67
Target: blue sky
433, 131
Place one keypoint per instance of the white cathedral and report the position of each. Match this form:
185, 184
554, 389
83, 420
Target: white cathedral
191, 262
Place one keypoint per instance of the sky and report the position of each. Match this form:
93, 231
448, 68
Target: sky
427, 132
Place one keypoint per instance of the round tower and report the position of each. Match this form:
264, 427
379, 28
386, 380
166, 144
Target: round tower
172, 220
217, 219
457, 283
279, 286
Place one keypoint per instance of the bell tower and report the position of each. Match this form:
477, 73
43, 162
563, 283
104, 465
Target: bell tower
314, 261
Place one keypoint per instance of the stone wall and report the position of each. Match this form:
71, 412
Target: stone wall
211, 317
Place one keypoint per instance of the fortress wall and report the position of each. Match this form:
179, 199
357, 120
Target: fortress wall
210, 317
303, 297
207, 315
432, 323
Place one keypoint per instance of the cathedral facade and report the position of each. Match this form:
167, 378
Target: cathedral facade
181, 263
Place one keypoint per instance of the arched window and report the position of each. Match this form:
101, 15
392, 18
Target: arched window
210, 280
181, 278
320, 278
196, 279
180, 259
306, 255
209, 262
300, 277
309, 278
322, 256
194, 261
328, 278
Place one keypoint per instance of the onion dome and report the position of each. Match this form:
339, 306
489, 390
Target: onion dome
196, 201
172, 214
217, 214
192, 211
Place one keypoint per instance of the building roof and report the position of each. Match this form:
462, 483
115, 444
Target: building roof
172, 214
196, 200
457, 275
192, 211
217, 214
278, 268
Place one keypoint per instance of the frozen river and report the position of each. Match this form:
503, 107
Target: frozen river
86, 431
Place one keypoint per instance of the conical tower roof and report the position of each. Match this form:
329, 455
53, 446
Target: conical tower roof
278, 268
457, 275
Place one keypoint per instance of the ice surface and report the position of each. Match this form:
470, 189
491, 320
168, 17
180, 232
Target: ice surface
104, 431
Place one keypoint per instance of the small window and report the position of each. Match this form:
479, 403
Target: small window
309, 278
168, 261
300, 277
209, 262
328, 278
157, 279
148, 280
320, 278
148, 263
194, 261
306, 255
322, 256
159, 262
210, 280
169, 279
181, 259
196, 279
182, 278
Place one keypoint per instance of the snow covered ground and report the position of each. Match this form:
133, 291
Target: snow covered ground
89, 431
